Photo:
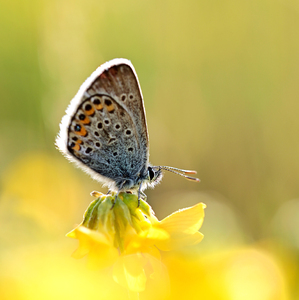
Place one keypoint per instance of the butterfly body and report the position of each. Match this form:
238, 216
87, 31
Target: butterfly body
104, 130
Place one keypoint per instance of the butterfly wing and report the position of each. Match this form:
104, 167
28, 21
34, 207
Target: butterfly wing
104, 130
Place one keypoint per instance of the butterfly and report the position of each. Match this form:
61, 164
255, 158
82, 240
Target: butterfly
104, 131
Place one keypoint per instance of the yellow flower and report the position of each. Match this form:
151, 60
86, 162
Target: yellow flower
121, 234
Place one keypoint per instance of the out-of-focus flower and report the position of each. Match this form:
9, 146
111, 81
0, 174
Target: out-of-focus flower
118, 232
238, 273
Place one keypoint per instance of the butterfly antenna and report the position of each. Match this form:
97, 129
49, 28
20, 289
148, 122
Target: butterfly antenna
181, 172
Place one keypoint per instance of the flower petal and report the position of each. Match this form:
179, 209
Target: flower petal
179, 240
102, 256
188, 220
129, 272
87, 240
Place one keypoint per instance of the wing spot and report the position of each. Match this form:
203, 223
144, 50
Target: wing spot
123, 97
107, 122
74, 138
88, 150
77, 127
100, 125
75, 146
114, 153
130, 149
131, 96
80, 130
84, 119
117, 126
97, 103
128, 132
109, 105
96, 133
88, 107
98, 145
108, 102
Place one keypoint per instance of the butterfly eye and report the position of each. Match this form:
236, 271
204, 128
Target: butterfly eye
151, 173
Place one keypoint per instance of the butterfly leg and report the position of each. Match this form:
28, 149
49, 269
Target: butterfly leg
144, 196
115, 198
140, 193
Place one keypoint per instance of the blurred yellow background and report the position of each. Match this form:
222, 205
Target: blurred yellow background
220, 84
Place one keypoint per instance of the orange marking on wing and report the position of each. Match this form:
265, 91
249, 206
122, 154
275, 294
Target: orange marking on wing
110, 108
82, 132
77, 147
85, 121
79, 142
90, 112
99, 106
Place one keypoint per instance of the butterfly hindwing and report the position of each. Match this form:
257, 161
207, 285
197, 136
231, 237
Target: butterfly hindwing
105, 130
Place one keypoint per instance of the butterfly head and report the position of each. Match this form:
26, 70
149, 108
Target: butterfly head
154, 175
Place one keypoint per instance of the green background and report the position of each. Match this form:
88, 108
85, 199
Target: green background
220, 85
